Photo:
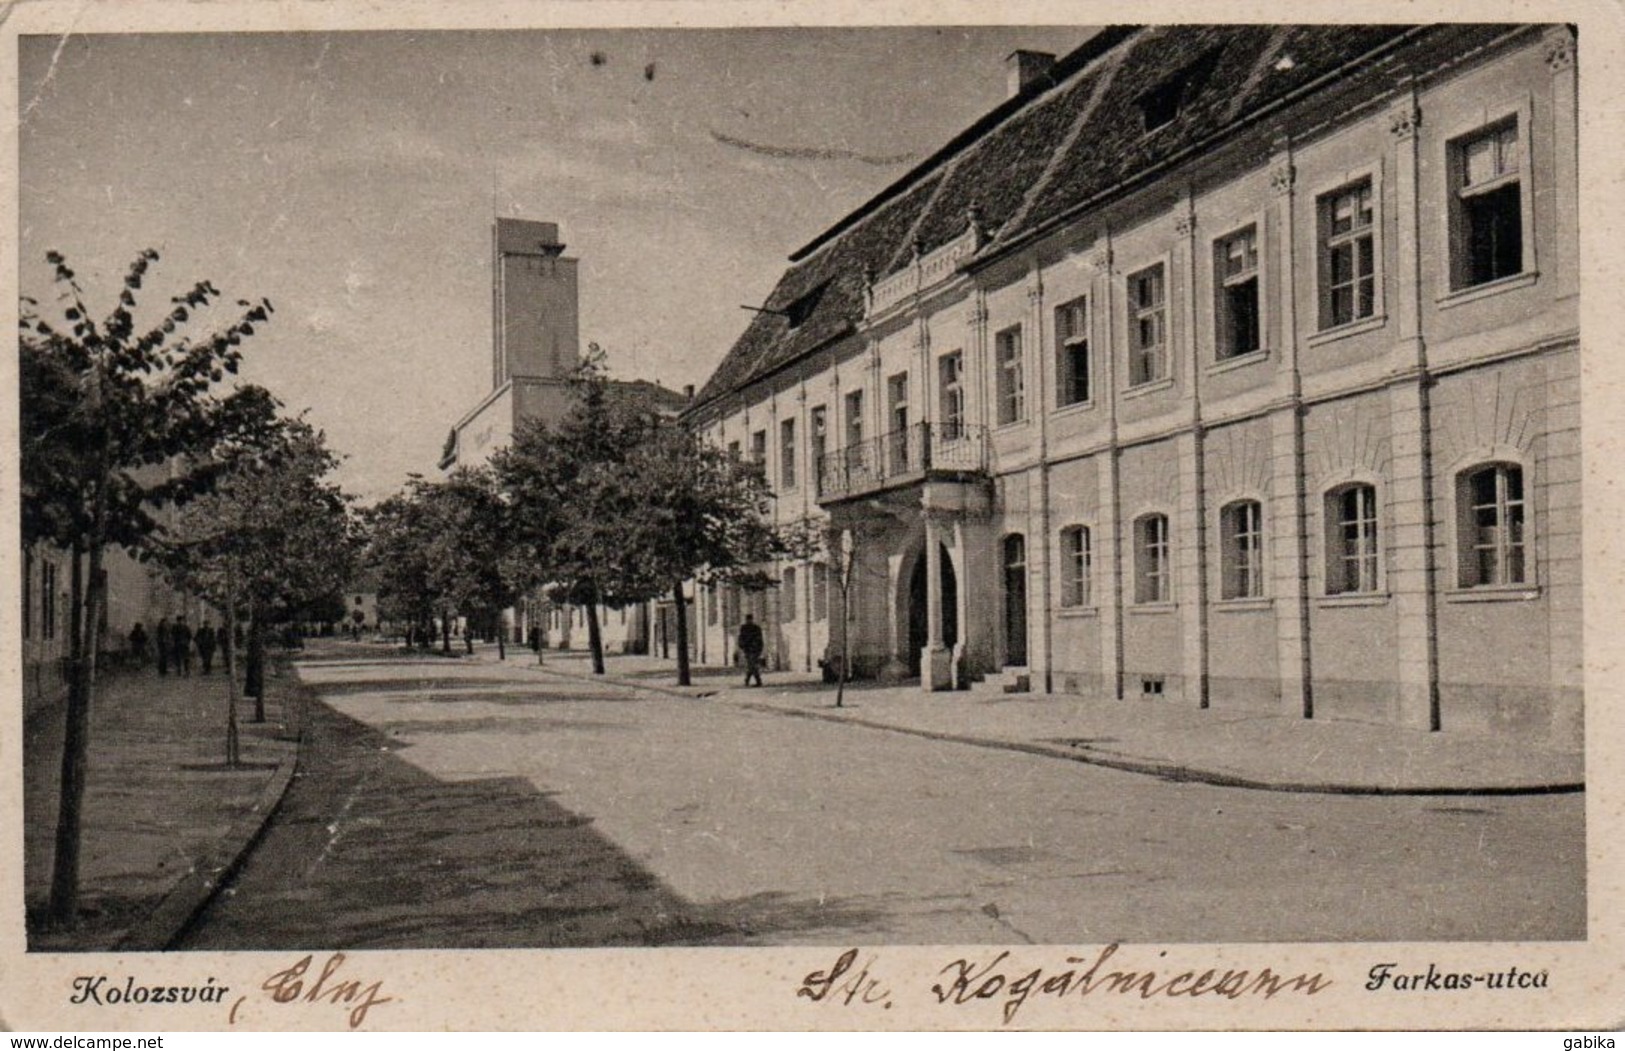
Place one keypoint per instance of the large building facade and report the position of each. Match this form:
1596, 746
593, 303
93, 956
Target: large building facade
1233, 367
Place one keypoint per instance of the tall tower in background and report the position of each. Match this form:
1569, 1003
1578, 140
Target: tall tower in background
535, 326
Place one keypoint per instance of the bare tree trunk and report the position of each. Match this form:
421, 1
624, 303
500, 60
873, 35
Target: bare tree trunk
595, 637
233, 738
684, 677
502, 637
255, 685
84, 640
445, 633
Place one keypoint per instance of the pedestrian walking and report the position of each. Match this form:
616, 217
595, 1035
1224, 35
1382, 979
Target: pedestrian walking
164, 642
180, 646
221, 638
138, 645
205, 646
751, 645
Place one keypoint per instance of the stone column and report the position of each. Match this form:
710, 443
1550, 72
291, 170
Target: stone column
1565, 161
1410, 562
1408, 349
936, 665
1410, 500
1191, 521
1289, 567
962, 573
1109, 526
1040, 605
894, 667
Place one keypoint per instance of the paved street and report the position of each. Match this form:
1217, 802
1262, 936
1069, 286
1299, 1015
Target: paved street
462, 803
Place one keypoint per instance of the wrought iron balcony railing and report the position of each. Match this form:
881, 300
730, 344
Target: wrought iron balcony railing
899, 458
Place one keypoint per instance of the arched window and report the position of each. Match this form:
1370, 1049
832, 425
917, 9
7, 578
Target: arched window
1241, 537
1153, 573
1075, 565
1490, 526
1351, 540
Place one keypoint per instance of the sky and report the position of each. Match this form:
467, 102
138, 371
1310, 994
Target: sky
352, 178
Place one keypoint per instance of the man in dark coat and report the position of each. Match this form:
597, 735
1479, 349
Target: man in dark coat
180, 645
164, 642
751, 645
205, 646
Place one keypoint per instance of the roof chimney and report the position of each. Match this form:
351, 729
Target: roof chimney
1025, 67
688, 391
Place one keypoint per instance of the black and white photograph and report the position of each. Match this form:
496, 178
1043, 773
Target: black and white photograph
901, 507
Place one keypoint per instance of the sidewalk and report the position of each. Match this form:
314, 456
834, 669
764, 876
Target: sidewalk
163, 816
1161, 738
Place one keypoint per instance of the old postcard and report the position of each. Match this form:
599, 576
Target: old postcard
741, 516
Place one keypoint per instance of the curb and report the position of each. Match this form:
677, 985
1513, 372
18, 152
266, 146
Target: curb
1168, 771
184, 902
1176, 772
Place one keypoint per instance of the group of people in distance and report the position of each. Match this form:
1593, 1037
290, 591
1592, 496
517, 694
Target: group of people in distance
175, 643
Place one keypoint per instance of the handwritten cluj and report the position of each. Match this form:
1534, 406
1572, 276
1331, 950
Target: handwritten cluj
290, 986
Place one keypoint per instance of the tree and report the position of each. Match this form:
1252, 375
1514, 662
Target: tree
103, 405
467, 543
567, 490
399, 534
271, 540
696, 512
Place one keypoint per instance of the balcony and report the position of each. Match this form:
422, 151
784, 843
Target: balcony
903, 457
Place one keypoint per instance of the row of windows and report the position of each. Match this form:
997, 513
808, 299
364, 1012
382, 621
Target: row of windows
724, 604
1491, 541
1486, 212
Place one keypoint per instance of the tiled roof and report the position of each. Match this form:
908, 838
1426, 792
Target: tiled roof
649, 394
1038, 157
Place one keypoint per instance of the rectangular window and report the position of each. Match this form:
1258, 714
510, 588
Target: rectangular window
1241, 532
1487, 207
788, 597
1153, 580
787, 454
1351, 543
758, 449
951, 381
711, 611
1011, 390
1072, 353
820, 591
1348, 255
1236, 270
1491, 502
1148, 327
733, 450
897, 440
856, 459
1075, 558
818, 421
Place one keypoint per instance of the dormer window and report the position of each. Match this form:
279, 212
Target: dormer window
801, 308
1160, 105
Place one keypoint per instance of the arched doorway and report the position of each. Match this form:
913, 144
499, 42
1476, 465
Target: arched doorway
1015, 600
918, 596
